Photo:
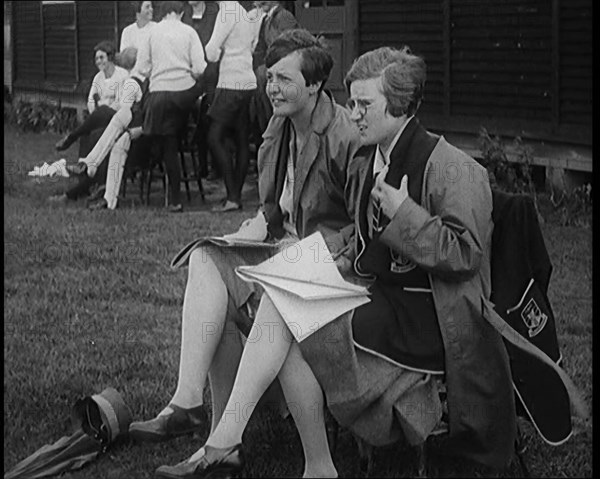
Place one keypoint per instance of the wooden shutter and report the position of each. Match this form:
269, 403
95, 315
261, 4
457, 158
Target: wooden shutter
28, 42
418, 24
501, 58
60, 43
575, 62
96, 22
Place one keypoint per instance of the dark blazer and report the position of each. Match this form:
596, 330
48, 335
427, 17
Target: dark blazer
521, 271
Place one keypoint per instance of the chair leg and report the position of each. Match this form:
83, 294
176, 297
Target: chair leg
195, 154
142, 183
184, 176
166, 188
149, 186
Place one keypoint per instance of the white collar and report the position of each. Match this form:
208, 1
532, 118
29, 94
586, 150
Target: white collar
197, 15
382, 159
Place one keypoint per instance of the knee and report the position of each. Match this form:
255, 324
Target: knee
122, 117
200, 265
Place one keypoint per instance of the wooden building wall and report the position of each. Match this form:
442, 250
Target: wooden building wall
53, 43
521, 67
517, 67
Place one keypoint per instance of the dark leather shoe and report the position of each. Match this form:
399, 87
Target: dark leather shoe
63, 144
216, 463
164, 427
78, 169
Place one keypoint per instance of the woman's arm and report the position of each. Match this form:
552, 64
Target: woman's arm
197, 56
94, 90
223, 26
449, 240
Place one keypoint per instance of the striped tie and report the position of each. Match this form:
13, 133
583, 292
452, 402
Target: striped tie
375, 213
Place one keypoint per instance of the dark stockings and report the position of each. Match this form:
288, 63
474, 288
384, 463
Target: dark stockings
234, 170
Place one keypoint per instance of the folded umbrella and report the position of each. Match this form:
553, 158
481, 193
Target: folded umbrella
68, 453
99, 420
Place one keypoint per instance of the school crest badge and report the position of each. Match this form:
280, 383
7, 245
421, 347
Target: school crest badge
399, 264
534, 318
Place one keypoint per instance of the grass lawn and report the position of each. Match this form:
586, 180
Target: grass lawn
90, 302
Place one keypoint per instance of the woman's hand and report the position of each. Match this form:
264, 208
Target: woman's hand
388, 197
253, 229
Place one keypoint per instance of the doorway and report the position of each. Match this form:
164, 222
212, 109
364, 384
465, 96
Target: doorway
337, 21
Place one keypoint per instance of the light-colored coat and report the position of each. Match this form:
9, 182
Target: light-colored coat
450, 238
322, 186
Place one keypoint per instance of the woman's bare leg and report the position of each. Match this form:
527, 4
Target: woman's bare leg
224, 367
307, 405
204, 313
263, 359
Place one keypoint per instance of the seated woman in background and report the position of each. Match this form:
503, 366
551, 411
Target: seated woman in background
105, 94
172, 58
90, 169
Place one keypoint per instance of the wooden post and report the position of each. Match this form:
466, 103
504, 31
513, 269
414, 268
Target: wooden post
446, 39
555, 63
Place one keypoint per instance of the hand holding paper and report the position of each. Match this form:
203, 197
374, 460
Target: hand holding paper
252, 229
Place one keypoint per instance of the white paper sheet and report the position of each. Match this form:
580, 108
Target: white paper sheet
305, 286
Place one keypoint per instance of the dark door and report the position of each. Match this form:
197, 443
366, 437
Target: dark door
337, 21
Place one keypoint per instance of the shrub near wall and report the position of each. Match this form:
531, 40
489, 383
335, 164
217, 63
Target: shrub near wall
40, 116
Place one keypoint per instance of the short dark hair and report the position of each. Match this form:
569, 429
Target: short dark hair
316, 61
402, 73
107, 47
169, 7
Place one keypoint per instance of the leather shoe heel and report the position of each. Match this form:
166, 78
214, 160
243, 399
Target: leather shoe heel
216, 463
78, 169
167, 426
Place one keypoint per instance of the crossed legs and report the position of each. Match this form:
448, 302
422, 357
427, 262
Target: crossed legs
271, 356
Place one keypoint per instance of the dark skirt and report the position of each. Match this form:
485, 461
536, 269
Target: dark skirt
374, 397
166, 112
230, 106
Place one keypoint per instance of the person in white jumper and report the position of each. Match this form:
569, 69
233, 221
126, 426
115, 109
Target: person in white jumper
134, 34
172, 58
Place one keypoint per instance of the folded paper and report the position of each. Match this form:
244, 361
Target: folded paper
305, 286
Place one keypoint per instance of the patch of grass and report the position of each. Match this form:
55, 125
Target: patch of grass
90, 302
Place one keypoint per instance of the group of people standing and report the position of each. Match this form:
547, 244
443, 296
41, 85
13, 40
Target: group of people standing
198, 50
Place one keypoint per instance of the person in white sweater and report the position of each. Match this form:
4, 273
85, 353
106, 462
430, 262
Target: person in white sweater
172, 58
233, 40
104, 96
134, 34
